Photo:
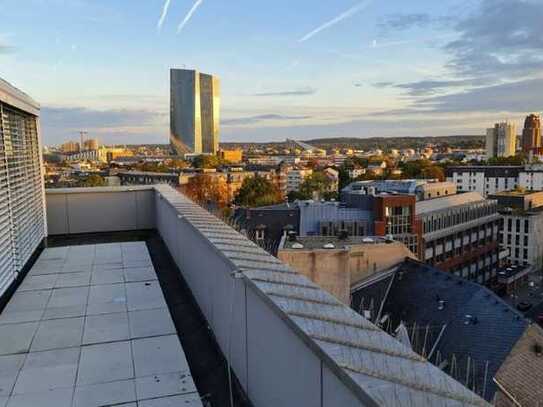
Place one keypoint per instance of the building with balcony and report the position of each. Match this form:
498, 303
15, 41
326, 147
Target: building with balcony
459, 234
22, 205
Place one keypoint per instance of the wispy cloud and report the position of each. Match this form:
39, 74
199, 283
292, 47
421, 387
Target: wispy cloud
189, 15
240, 121
295, 92
349, 13
164, 14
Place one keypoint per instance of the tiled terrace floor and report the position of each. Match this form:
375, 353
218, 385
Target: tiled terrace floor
89, 327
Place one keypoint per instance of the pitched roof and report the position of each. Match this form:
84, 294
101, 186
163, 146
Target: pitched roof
521, 373
478, 327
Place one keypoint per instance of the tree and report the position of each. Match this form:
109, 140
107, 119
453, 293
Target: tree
207, 161
422, 169
316, 184
433, 172
94, 181
257, 191
207, 190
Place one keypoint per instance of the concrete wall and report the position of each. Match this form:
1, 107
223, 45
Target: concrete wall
328, 268
337, 270
274, 364
89, 210
267, 319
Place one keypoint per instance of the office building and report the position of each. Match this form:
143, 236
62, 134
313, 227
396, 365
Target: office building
521, 228
22, 207
531, 135
459, 234
194, 112
501, 140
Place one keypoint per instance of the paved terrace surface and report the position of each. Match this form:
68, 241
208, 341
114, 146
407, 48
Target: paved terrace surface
89, 327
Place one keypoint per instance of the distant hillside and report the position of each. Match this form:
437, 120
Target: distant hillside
384, 143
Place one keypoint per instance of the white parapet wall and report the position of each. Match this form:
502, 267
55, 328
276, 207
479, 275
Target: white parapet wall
288, 342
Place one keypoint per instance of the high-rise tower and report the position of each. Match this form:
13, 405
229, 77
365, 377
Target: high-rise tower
501, 140
194, 112
531, 135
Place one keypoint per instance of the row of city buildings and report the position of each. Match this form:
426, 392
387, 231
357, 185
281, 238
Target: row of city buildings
502, 140
416, 334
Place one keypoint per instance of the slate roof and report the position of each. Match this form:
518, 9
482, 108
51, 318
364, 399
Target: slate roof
378, 368
487, 336
522, 372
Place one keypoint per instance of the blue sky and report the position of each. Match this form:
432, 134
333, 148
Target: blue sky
303, 69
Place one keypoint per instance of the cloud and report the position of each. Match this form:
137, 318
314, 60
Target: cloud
296, 92
112, 126
402, 22
349, 13
165, 9
261, 118
517, 97
503, 38
383, 84
189, 15
497, 51
429, 87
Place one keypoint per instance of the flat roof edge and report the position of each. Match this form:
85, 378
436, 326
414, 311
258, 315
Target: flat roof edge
12, 96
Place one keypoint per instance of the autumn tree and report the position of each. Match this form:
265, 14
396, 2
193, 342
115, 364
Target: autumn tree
257, 191
207, 190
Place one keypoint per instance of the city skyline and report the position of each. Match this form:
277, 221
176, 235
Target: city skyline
338, 69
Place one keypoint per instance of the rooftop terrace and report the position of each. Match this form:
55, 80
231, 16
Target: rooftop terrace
269, 322
89, 326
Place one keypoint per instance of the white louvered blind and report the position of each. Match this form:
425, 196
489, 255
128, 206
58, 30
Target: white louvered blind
22, 220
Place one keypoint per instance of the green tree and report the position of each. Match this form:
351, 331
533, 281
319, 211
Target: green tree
422, 169
94, 181
316, 184
257, 191
207, 161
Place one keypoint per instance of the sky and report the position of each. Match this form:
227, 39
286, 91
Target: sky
300, 69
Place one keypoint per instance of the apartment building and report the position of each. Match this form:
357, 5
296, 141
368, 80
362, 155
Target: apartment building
485, 179
22, 208
296, 177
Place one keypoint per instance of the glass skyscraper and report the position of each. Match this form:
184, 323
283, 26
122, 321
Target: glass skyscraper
22, 203
194, 112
